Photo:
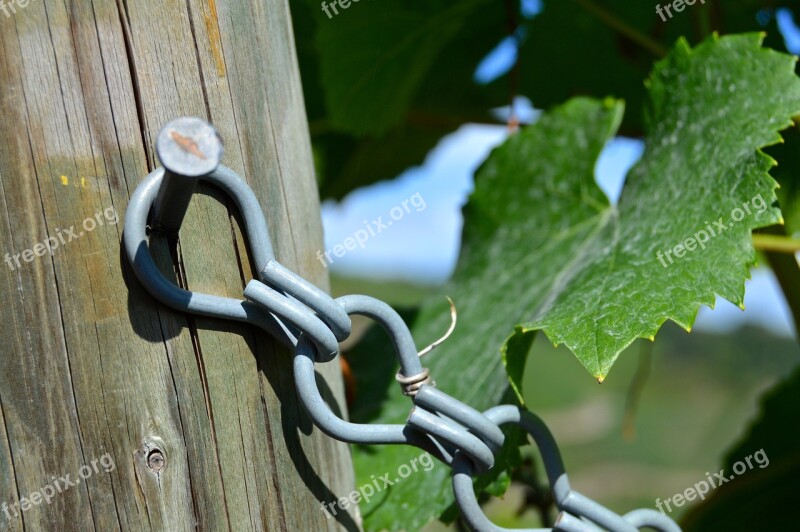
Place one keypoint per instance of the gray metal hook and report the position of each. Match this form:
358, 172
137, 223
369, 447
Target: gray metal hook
307, 319
138, 251
167, 193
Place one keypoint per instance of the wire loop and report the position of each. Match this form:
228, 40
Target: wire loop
578, 512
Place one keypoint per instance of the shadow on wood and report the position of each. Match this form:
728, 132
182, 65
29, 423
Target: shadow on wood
199, 416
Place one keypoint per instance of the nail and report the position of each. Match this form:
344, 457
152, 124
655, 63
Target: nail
188, 148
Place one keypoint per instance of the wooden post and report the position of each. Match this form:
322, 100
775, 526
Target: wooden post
199, 416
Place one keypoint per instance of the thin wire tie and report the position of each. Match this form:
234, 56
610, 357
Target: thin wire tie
453, 320
412, 384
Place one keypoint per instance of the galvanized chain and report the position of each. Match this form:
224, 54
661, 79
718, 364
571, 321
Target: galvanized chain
312, 323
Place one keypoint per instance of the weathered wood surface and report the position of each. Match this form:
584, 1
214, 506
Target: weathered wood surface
199, 416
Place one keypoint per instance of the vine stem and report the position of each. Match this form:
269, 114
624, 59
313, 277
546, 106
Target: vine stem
784, 265
613, 22
511, 8
633, 398
776, 243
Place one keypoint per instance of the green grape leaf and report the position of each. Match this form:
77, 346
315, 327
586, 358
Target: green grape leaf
543, 247
384, 82
514, 353
378, 99
375, 57
680, 235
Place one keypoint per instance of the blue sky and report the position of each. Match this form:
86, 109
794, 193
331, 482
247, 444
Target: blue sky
423, 246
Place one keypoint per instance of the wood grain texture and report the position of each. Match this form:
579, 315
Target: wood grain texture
199, 416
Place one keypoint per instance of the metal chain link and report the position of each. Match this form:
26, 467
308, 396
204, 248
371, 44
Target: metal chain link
310, 322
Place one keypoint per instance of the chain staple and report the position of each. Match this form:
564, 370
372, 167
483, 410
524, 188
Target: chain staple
312, 324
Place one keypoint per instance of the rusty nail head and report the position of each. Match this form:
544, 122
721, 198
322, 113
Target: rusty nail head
189, 146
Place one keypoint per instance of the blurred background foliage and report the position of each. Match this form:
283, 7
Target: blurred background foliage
387, 81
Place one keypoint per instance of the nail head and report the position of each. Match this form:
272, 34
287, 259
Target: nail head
189, 146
